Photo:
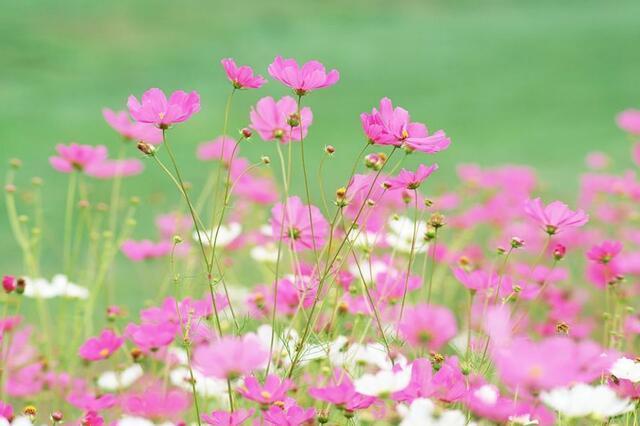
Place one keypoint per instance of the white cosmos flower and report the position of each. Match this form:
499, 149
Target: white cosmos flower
206, 387
423, 412
60, 286
401, 235
487, 394
18, 421
584, 400
134, 421
112, 380
384, 382
226, 235
265, 253
523, 419
374, 354
625, 368
363, 239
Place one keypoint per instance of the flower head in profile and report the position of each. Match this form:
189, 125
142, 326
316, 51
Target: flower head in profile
302, 79
274, 389
554, 217
428, 326
583, 400
342, 393
241, 77
120, 122
109, 169
295, 229
289, 414
227, 418
410, 180
278, 120
629, 121
605, 252
76, 157
101, 347
156, 109
230, 357
393, 126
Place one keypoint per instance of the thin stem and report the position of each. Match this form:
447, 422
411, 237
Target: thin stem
68, 219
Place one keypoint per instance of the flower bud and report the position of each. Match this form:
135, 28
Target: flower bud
516, 242
15, 163
428, 202
83, 204
134, 201
21, 284
294, 120
375, 161
36, 181
329, 149
146, 148
246, 133
8, 283
436, 220
10, 188
265, 159
56, 416
559, 252
562, 328
177, 239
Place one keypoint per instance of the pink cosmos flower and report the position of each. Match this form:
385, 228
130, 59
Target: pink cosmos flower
241, 77
108, 169
171, 224
8, 283
230, 356
428, 326
392, 126
273, 390
101, 347
221, 148
77, 157
151, 337
226, 418
26, 381
156, 109
311, 76
276, 120
555, 217
448, 384
145, 249
6, 411
603, 253
120, 122
629, 121
597, 160
296, 227
156, 401
291, 414
92, 418
410, 180
89, 402
480, 280
342, 393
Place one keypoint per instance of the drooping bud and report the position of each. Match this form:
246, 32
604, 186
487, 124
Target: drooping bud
146, 148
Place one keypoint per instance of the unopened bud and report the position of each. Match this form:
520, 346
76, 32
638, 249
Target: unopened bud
341, 193
83, 204
437, 220
15, 163
177, 239
10, 188
516, 242
56, 416
294, 120
136, 354
559, 252
146, 148
21, 284
329, 149
8, 283
501, 250
246, 133
428, 202
265, 159
134, 201
375, 161
36, 181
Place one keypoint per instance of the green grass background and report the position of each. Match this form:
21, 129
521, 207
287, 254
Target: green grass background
535, 82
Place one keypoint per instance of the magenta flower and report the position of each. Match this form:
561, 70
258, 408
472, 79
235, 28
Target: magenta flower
291, 414
77, 157
145, 249
156, 109
226, 418
151, 337
101, 347
6, 411
156, 401
230, 357
410, 180
108, 169
605, 252
555, 217
311, 76
92, 418
222, 148
342, 393
129, 130
428, 326
296, 227
89, 402
241, 77
392, 126
448, 384
277, 120
629, 121
273, 390
8, 283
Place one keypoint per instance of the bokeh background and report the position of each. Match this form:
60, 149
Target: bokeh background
535, 82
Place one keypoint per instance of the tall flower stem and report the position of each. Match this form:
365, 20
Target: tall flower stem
68, 219
411, 253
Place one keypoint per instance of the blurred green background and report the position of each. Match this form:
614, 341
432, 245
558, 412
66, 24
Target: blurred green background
535, 82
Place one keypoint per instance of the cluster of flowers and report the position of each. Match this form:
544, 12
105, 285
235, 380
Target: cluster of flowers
477, 305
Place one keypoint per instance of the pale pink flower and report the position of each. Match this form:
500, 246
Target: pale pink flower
274, 389
25, 381
290, 414
101, 347
448, 384
605, 252
92, 418
342, 393
392, 126
428, 326
555, 217
90, 402
77, 157
276, 120
226, 418
230, 356
410, 180
296, 230
129, 130
156, 401
108, 169
145, 249
171, 224
156, 109
222, 148
629, 121
241, 77
151, 337
597, 160
311, 76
